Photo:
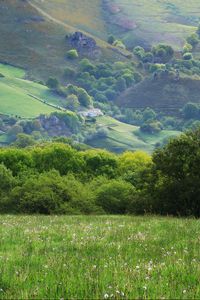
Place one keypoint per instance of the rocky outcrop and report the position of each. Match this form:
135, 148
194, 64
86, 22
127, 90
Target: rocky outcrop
54, 126
84, 44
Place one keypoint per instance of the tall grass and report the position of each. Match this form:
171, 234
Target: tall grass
99, 258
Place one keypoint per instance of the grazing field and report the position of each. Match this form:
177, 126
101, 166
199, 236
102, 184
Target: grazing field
23, 97
99, 257
122, 137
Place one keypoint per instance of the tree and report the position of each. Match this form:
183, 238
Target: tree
86, 65
193, 39
191, 111
176, 189
69, 73
187, 56
23, 141
163, 53
52, 83
119, 44
187, 48
121, 84
72, 54
72, 102
111, 39
84, 98
149, 114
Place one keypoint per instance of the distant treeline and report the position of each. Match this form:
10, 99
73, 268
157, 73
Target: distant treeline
55, 178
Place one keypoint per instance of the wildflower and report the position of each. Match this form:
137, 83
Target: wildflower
184, 291
145, 288
106, 296
137, 267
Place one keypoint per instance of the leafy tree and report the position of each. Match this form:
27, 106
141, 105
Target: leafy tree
23, 141
86, 65
52, 83
187, 48
72, 54
193, 40
119, 44
69, 73
187, 56
120, 84
84, 98
163, 53
191, 111
72, 102
111, 39
149, 114
176, 190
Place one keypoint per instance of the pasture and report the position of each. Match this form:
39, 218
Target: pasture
22, 97
122, 136
99, 257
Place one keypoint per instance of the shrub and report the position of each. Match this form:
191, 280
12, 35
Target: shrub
115, 196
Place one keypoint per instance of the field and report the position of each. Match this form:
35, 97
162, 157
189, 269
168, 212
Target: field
22, 97
99, 257
122, 137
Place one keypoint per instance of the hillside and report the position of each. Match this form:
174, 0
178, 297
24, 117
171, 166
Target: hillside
150, 22
164, 94
35, 38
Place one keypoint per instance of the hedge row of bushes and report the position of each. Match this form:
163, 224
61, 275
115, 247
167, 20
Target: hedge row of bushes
56, 178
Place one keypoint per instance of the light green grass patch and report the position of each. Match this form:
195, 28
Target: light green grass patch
11, 71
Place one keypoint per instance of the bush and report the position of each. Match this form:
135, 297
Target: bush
115, 196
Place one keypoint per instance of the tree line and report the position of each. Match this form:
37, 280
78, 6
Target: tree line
56, 178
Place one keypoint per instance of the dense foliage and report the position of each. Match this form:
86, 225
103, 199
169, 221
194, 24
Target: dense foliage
57, 178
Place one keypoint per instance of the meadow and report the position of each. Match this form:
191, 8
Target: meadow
122, 136
99, 257
18, 95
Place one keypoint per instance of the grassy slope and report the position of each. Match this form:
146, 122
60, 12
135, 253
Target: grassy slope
164, 95
32, 35
155, 21
84, 15
15, 94
122, 137
87, 257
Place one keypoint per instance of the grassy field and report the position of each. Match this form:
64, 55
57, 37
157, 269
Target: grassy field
122, 137
18, 96
99, 257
